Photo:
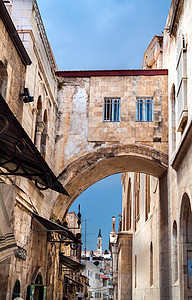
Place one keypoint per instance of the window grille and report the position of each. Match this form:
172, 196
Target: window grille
112, 110
145, 110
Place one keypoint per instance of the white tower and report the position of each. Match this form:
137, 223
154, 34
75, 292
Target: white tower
99, 243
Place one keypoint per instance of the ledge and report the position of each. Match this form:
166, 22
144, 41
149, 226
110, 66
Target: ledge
183, 146
92, 73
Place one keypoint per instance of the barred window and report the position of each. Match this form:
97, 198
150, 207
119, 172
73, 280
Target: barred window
145, 110
112, 109
97, 276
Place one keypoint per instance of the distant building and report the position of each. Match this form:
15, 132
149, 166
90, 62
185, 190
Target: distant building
99, 244
92, 271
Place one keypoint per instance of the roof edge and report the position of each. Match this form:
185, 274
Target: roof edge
92, 73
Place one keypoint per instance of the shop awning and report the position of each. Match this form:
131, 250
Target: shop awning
70, 263
54, 227
19, 156
74, 281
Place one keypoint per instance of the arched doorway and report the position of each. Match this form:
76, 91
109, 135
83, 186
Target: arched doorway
37, 291
38, 294
186, 248
16, 290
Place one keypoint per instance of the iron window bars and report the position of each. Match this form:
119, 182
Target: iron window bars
112, 109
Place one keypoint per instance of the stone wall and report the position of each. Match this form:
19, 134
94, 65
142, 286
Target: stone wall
40, 76
14, 70
81, 128
144, 230
180, 178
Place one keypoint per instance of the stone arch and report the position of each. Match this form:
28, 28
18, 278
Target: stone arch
3, 79
39, 271
185, 246
103, 162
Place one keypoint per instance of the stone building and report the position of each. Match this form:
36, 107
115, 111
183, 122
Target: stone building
135, 248
29, 254
135, 122
138, 243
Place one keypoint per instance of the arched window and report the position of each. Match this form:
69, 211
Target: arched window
173, 119
147, 195
135, 271
3, 79
124, 219
186, 246
137, 198
38, 279
129, 206
44, 135
151, 264
175, 255
16, 290
39, 123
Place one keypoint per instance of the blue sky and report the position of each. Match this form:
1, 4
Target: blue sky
101, 34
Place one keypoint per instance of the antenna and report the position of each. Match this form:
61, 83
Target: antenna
85, 247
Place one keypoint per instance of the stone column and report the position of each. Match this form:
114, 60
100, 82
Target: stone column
115, 270
164, 250
125, 266
39, 130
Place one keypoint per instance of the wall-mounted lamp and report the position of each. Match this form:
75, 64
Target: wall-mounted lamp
26, 97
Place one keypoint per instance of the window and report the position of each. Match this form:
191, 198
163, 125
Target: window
44, 135
97, 276
181, 82
137, 198
129, 209
147, 196
151, 264
97, 295
173, 116
16, 289
112, 110
175, 257
135, 271
145, 110
3, 79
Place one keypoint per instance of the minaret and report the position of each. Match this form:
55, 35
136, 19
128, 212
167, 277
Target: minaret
99, 243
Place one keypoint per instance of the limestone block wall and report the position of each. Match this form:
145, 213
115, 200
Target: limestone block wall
80, 115
170, 55
41, 82
14, 68
144, 231
179, 180
40, 76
